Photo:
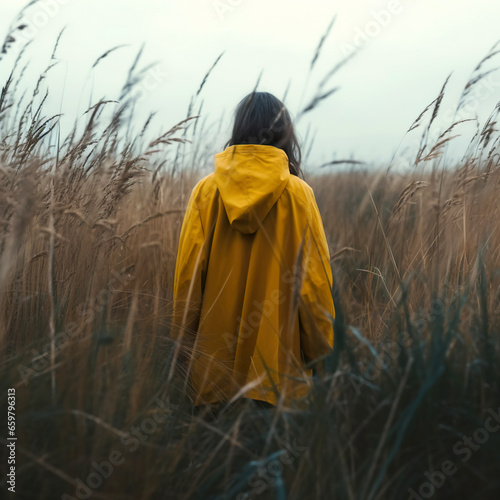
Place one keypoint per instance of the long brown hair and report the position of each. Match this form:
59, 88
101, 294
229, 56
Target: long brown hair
261, 118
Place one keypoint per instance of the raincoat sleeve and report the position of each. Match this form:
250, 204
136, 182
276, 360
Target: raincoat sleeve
189, 277
316, 308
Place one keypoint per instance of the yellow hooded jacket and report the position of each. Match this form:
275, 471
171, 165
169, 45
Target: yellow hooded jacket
252, 288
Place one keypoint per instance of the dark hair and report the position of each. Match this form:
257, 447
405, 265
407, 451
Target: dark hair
261, 118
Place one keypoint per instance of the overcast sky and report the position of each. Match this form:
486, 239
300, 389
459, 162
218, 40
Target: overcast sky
409, 47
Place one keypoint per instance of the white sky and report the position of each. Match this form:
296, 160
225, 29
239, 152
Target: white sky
383, 89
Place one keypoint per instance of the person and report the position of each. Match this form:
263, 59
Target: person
252, 290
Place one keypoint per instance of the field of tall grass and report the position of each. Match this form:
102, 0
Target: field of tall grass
408, 406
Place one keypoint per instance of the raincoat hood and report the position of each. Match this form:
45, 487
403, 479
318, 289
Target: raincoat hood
250, 179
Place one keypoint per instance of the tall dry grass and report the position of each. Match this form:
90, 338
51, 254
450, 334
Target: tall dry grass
88, 247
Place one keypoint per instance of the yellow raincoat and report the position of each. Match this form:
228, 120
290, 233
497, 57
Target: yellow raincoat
252, 288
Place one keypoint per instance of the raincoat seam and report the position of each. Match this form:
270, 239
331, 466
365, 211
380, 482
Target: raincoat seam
247, 211
199, 216
306, 205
